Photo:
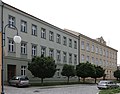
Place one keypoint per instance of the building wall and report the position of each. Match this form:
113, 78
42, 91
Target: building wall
107, 59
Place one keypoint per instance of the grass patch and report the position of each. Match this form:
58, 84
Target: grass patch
110, 91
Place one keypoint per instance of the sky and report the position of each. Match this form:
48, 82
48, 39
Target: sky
93, 18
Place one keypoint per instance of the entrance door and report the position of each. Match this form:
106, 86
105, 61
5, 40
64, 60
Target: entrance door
11, 71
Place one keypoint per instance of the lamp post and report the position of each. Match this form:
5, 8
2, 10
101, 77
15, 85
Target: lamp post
17, 39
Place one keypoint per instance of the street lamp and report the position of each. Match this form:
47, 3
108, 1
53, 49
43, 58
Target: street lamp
17, 39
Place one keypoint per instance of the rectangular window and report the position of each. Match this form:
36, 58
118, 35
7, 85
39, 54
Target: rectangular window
23, 70
43, 33
51, 36
34, 50
64, 40
23, 48
75, 59
97, 50
70, 58
93, 60
43, 51
11, 46
58, 39
51, 53
100, 51
82, 45
75, 44
82, 58
11, 21
64, 57
70, 42
23, 26
88, 47
87, 59
58, 55
34, 30
93, 48
97, 61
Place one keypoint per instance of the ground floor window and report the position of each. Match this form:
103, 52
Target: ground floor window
23, 70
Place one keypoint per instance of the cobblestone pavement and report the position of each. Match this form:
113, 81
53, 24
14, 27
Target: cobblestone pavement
63, 89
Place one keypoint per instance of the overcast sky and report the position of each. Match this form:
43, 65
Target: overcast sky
93, 18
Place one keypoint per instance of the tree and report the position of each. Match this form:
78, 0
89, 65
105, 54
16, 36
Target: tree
42, 67
99, 72
85, 70
68, 71
117, 74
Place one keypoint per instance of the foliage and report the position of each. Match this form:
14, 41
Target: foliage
99, 72
117, 74
68, 71
85, 70
42, 67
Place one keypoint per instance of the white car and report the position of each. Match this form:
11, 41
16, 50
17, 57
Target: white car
19, 81
106, 84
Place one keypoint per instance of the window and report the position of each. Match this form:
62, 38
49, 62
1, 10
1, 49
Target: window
58, 55
82, 58
23, 26
64, 57
70, 42
58, 40
104, 52
75, 44
100, 51
23, 48
82, 45
11, 21
23, 69
75, 59
64, 40
93, 48
34, 30
70, 58
96, 61
93, 60
88, 47
51, 36
100, 62
43, 33
107, 54
51, 53
43, 51
11, 46
97, 50
34, 50
87, 59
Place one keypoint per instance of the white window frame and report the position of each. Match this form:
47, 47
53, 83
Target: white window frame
11, 21
64, 57
23, 26
70, 58
75, 44
10, 45
70, 43
75, 59
82, 45
23, 70
64, 40
23, 48
43, 33
51, 53
34, 50
58, 38
58, 55
43, 51
34, 30
51, 36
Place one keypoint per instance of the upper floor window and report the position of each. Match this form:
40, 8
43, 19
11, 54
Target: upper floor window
58, 55
93, 48
93, 60
70, 42
88, 58
43, 51
88, 47
34, 50
64, 40
23, 26
107, 54
51, 36
82, 58
75, 44
23, 48
11, 45
43, 33
11, 21
100, 51
96, 49
82, 45
58, 40
51, 52
64, 57
70, 58
104, 52
34, 30
75, 59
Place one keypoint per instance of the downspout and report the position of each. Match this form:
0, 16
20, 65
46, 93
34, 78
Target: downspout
79, 49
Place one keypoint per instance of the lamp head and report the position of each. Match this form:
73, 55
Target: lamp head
17, 39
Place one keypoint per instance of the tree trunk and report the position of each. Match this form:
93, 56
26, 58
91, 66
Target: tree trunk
68, 79
95, 80
42, 81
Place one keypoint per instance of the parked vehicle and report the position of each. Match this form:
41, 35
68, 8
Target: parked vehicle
106, 84
19, 81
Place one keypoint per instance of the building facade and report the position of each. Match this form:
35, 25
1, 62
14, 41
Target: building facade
41, 38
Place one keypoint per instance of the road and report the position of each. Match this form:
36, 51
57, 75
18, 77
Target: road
62, 89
